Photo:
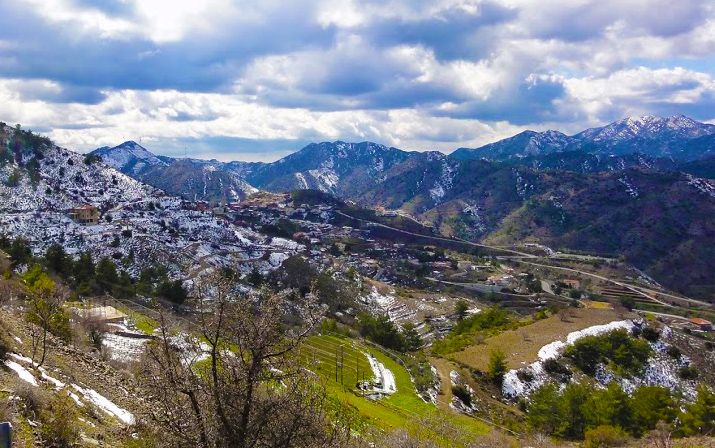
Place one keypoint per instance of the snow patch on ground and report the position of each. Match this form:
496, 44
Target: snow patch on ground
513, 386
22, 372
106, 405
123, 348
384, 378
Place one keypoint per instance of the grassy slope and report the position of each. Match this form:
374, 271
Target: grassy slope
522, 345
402, 409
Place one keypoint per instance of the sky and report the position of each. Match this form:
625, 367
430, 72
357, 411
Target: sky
256, 80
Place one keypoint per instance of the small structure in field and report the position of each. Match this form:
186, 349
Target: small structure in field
701, 324
101, 314
85, 214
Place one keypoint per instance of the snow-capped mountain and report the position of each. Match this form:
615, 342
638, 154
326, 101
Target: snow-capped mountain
190, 178
651, 135
527, 143
130, 157
677, 137
336, 167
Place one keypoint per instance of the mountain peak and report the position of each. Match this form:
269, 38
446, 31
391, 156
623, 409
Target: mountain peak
129, 156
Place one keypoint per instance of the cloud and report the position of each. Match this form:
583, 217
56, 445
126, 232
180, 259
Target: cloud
427, 74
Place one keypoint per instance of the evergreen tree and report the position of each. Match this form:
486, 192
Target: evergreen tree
412, 338
106, 275
19, 251
699, 417
651, 404
173, 291
545, 409
460, 309
57, 260
497, 367
255, 278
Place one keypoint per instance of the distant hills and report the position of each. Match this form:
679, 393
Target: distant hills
676, 143
637, 188
677, 137
190, 178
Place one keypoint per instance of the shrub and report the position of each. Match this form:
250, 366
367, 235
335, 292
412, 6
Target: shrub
59, 422
91, 158
605, 436
650, 334
628, 303
5, 346
497, 367
626, 355
688, 373
525, 375
460, 391
32, 399
555, 368
699, 417
673, 352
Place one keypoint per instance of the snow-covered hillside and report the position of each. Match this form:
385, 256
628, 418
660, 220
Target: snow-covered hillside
129, 157
139, 225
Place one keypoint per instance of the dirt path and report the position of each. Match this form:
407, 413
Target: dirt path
443, 369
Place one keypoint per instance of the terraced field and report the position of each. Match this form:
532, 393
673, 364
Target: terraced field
402, 409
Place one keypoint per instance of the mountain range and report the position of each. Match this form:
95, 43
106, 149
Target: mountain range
639, 188
676, 143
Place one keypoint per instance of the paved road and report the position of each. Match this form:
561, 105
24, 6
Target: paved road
600, 277
674, 316
437, 238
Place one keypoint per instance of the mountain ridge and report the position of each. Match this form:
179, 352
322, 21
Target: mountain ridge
345, 169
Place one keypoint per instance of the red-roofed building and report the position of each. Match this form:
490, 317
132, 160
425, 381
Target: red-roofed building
702, 324
85, 214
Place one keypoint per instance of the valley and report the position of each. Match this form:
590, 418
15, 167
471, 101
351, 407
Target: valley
409, 326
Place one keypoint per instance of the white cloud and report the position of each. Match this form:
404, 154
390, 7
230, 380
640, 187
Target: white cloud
370, 69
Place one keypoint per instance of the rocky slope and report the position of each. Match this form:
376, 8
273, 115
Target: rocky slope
139, 225
192, 179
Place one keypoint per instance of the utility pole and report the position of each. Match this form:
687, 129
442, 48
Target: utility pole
336, 365
342, 363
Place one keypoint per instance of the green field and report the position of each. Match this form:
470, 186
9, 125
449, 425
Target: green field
403, 409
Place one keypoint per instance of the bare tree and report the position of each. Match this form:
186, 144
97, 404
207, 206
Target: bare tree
46, 312
239, 383
661, 436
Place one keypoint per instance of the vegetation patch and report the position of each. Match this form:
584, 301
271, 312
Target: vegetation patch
623, 353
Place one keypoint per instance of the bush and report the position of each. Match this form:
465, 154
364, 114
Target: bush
650, 334
32, 399
625, 354
555, 368
5, 347
59, 422
673, 352
525, 375
91, 158
628, 303
688, 373
698, 418
605, 436
460, 391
